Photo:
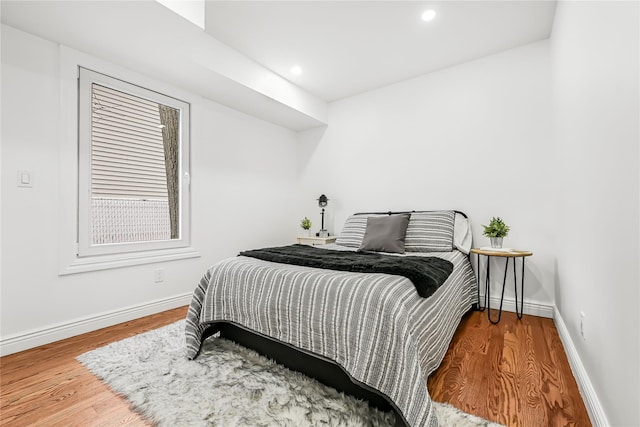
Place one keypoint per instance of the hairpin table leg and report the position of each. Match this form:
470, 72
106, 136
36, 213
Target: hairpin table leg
487, 283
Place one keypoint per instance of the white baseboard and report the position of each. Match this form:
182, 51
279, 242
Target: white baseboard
531, 308
591, 401
36, 337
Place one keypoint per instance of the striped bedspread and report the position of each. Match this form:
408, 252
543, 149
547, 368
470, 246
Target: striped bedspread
375, 326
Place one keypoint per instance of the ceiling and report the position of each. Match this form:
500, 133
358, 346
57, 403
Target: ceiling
349, 47
242, 58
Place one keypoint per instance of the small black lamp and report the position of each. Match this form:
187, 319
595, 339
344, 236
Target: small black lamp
322, 202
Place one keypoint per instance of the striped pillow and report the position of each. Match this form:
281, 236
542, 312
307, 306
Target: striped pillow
353, 231
430, 232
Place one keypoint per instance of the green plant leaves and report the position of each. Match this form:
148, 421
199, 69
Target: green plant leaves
496, 228
305, 223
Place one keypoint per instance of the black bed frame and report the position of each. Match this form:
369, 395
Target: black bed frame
313, 365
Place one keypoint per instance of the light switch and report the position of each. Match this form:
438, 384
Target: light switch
24, 179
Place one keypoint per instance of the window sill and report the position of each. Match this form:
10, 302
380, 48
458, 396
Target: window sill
105, 262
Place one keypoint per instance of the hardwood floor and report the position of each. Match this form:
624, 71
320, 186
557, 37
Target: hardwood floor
46, 386
515, 373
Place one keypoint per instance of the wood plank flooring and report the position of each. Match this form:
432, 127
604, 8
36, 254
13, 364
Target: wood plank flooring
46, 386
515, 373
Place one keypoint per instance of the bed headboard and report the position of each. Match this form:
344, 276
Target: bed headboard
407, 212
428, 233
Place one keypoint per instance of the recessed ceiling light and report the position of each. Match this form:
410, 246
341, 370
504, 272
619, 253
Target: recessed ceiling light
428, 15
296, 70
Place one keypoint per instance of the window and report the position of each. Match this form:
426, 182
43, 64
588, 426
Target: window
133, 169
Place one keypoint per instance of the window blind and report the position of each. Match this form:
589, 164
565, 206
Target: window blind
127, 151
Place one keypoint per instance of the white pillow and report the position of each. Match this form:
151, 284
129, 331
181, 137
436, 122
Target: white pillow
462, 236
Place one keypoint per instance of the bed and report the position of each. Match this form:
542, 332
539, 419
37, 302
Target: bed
374, 335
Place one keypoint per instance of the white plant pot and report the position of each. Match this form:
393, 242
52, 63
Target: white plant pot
306, 233
496, 242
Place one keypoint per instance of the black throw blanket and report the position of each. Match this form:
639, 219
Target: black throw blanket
426, 273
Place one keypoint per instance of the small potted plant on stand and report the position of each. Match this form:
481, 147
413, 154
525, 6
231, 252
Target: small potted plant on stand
496, 231
305, 223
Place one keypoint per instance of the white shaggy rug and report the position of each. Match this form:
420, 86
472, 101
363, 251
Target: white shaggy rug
229, 385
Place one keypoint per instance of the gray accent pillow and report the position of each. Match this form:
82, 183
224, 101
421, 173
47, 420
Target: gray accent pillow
385, 233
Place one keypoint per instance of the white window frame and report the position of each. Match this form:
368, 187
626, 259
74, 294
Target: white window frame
85, 245
72, 216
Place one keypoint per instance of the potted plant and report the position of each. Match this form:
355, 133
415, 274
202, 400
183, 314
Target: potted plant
496, 231
305, 223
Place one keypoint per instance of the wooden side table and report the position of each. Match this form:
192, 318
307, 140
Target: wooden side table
315, 241
508, 255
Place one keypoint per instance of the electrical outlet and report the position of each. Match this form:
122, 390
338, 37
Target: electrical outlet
25, 179
158, 275
582, 325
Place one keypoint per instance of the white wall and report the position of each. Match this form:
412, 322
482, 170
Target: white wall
475, 137
243, 185
546, 136
596, 108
